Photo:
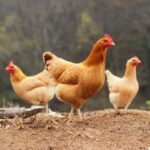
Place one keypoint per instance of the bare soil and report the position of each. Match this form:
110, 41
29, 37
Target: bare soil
100, 130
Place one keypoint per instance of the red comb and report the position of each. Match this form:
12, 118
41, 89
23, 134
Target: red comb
136, 57
108, 37
10, 63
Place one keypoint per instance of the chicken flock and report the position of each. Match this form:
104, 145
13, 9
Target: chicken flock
75, 83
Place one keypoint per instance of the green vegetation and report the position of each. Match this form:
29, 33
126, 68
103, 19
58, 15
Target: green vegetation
148, 104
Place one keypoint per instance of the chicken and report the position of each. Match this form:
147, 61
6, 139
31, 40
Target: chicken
78, 82
123, 90
37, 89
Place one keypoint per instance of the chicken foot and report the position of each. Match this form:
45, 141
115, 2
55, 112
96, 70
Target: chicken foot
78, 113
116, 109
71, 114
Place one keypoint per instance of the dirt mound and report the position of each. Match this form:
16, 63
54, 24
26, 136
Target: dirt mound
100, 130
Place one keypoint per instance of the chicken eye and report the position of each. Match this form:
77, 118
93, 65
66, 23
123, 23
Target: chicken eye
133, 60
105, 41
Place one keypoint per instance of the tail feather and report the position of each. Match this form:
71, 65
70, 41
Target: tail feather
109, 75
112, 80
47, 56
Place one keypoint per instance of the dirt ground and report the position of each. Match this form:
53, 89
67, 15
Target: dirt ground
100, 130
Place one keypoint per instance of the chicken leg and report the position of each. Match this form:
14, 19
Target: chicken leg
116, 109
71, 114
79, 114
46, 108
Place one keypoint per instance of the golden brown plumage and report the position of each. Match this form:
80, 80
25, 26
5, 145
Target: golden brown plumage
78, 82
37, 89
123, 90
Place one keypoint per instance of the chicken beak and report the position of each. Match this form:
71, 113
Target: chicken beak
139, 62
7, 68
113, 44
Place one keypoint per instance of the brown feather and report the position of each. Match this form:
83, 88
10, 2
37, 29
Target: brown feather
78, 82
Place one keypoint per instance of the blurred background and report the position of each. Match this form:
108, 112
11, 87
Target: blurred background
69, 29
